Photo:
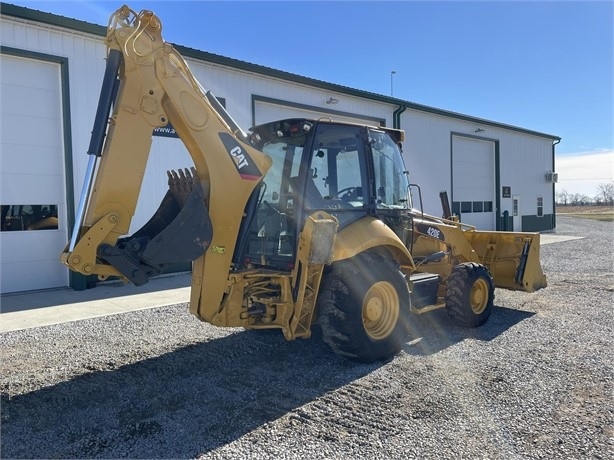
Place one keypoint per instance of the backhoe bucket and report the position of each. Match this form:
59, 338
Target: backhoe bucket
512, 258
179, 231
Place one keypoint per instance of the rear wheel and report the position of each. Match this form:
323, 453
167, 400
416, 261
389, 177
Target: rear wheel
470, 294
364, 308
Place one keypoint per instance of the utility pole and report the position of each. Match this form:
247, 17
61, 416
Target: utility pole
392, 73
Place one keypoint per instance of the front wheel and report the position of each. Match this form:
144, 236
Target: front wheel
470, 294
364, 308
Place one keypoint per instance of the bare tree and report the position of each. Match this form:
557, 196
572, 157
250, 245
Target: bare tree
597, 199
606, 191
562, 196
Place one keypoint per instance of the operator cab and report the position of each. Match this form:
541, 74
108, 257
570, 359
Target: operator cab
347, 170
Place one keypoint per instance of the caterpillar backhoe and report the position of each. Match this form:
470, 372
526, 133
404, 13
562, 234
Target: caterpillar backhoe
298, 222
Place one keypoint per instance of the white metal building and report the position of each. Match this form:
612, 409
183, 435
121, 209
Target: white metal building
497, 176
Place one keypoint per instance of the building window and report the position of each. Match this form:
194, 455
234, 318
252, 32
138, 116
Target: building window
456, 208
478, 206
488, 206
18, 217
540, 206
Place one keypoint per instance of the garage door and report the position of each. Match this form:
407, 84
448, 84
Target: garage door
266, 112
473, 181
33, 229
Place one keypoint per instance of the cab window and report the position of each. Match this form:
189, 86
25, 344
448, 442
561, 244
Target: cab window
391, 181
334, 179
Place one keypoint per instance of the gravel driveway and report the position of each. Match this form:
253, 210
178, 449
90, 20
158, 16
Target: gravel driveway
535, 382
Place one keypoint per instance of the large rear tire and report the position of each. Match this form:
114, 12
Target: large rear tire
470, 294
364, 308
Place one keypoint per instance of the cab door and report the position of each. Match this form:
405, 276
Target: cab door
335, 176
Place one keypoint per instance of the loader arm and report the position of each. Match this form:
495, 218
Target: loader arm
512, 258
146, 85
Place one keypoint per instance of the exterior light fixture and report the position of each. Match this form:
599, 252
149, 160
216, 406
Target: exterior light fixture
332, 100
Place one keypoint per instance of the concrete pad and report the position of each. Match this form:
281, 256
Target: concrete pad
549, 238
43, 308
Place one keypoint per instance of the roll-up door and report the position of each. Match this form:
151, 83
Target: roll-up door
32, 176
473, 181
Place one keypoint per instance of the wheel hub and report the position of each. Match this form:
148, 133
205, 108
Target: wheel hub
479, 296
374, 309
380, 310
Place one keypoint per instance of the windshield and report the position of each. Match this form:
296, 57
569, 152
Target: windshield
391, 180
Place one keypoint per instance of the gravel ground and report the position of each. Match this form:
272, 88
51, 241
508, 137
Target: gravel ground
535, 382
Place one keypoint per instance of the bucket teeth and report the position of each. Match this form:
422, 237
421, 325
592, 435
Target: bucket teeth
181, 183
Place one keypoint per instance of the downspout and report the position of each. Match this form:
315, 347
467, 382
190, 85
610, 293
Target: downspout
553, 188
396, 116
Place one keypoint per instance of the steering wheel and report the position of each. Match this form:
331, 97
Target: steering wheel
345, 193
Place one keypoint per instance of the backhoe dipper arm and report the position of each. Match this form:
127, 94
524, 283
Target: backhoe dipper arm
146, 85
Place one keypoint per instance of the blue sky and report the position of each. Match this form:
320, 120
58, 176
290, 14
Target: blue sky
546, 66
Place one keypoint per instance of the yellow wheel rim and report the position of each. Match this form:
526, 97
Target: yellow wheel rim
380, 310
479, 296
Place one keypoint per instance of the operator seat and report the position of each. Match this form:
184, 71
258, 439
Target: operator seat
311, 198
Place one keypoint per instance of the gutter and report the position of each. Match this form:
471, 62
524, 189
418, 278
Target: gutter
554, 186
396, 116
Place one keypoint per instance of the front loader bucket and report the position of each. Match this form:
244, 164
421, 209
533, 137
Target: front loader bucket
512, 258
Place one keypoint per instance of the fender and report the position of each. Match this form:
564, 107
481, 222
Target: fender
368, 233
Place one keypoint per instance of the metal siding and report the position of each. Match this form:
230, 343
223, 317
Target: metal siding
238, 87
524, 159
427, 156
524, 162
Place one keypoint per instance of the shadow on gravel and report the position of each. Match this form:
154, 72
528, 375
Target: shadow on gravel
435, 331
178, 405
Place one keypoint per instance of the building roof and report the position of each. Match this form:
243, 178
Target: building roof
15, 11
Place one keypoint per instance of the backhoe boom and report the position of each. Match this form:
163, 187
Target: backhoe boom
146, 85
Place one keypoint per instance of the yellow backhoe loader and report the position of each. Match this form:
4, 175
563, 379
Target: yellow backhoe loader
295, 223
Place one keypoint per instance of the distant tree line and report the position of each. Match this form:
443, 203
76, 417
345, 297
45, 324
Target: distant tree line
603, 197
